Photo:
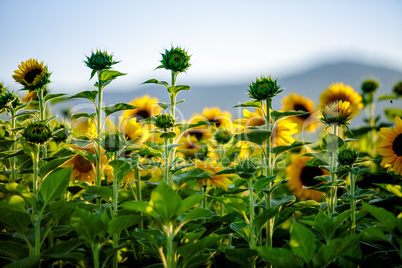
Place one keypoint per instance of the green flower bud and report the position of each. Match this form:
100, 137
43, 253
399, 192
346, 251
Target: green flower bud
223, 136
176, 59
99, 61
369, 85
113, 142
398, 88
37, 132
2, 88
246, 168
347, 156
164, 121
61, 135
9, 100
264, 88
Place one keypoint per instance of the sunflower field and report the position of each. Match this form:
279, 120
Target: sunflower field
129, 185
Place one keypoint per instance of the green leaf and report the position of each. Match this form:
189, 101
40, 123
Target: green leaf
165, 201
331, 142
392, 188
118, 224
168, 135
242, 256
373, 234
386, 218
275, 115
140, 206
16, 219
283, 148
279, 257
30, 149
390, 113
15, 202
302, 242
55, 184
195, 173
282, 200
53, 96
52, 165
108, 75
117, 108
176, 89
87, 225
262, 183
190, 202
242, 228
324, 225
387, 97
189, 251
252, 103
262, 218
25, 113
238, 204
103, 191
90, 95
29, 262
333, 249
62, 250
155, 236
184, 127
196, 214
164, 106
154, 81
257, 136
123, 167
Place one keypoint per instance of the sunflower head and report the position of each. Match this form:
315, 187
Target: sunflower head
340, 92
347, 156
211, 168
37, 132
113, 142
176, 59
9, 100
61, 133
295, 102
246, 168
147, 107
369, 86
264, 88
398, 89
337, 113
223, 136
32, 75
164, 121
99, 61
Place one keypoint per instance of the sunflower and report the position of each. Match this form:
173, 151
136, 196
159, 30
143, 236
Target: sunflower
212, 167
32, 74
84, 127
215, 116
295, 102
338, 113
251, 119
147, 107
391, 147
341, 92
83, 170
282, 132
191, 147
300, 175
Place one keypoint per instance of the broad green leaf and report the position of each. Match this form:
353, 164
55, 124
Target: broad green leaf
176, 89
55, 184
184, 127
52, 165
386, 218
29, 262
163, 105
123, 167
302, 241
324, 225
25, 113
155, 236
117, 108
279, 257
108, 75
341, 218
263, 183
118, 224
195, 173
242, 228
238, 204
196, 214
90, 95
190, 202
392, 188
333, 249
53, 96
30, 149
252, 103
331, 142
373, 234
282, 200
168, 135
256, 136
190, 250
87, 115
87, 225
154, 81
14, 202
140, 206
278, 150
16, 219
61, 250
103, 191
275, 115
242, 256
387, 97
17, 189
390, 113
262, 218
165, 201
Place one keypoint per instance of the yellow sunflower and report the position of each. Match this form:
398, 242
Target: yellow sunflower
147, 107
295, 102
391, 147
338, 113
191, 147
213, 115
83, 170
84, 127
212, 167
32, 74
251, 119
300, 175
341, 92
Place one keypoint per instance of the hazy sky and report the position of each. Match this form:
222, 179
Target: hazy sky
230, 41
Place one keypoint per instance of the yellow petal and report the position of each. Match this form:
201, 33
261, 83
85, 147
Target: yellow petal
388, 159
385, 151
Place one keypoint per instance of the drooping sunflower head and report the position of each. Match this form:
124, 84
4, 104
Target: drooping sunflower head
264, 88
211, 167
282, 133
99, 61
37, 132
369, 86
9, 100
398, 89
347, 156
337, 113
246, 168
391, 147
340, 92
295, 102
113, 142
176, 59
300, 175
147, 107
32, 75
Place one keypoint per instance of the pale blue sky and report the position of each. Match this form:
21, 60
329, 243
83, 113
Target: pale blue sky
230, 41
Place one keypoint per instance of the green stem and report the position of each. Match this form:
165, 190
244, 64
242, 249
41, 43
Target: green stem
166, 173
116, 187
269, 172
137, 176
42, 110
98, 133
37, 233
352, 179
14, 170
35, 161
251, 199
95, 254
170, 256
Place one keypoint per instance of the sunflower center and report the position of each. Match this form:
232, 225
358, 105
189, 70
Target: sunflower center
82, 165
142, 114
307, 175
300, 107
30, 76
195, 133
397, 145
213, 120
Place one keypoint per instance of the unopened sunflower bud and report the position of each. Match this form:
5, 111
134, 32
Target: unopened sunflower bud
347, 156
337, 113
9, 100
113, 142
246, 168
99, 61
176, 59
223, 136
37, 132
164, 121
264, 88
369, 85
398, 89
61, 135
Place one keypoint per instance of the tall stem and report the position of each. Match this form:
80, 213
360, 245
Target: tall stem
95, 254
116, 187
137, 177
170, 256
333, 196
37, 232
35, 161
269, 172
352, 179
98, 133
167, 166
251, 199
42, 111
14, 170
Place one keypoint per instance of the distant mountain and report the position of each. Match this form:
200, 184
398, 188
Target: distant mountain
309, 83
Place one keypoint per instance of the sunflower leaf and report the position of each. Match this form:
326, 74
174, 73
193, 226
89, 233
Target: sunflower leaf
283, 148
392, 188
275, 115
252, 103
195, 173
390, 113
184, 127
255, 136
387, 97
331, 142
176, 89
55, 184
154, 81
302, 241
109, 75
279, 257
53, 96
262, 183
168, 135
118, 107
89, 95
79, 115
